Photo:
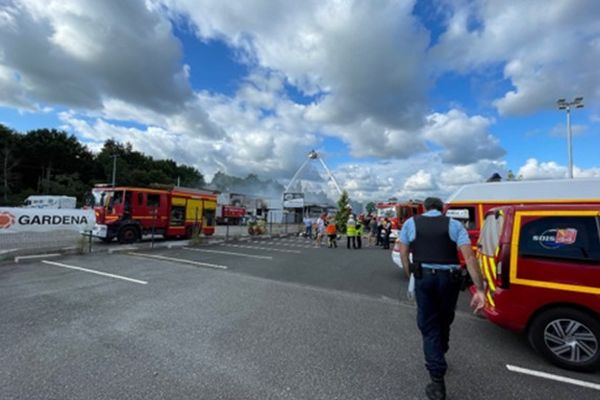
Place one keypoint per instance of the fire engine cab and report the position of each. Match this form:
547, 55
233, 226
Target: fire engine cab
398, 212
128, 213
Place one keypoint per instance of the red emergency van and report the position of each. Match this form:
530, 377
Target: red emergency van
470, 202
541, 265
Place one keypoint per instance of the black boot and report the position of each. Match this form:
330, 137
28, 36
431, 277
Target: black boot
436, 390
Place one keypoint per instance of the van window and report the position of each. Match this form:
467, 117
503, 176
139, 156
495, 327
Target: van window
574, 238
465, 215
153, 200
177, 215
405, 213
117, 198
140, 199
209, 216
489, 238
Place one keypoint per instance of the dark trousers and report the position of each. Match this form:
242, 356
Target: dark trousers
386, 241
351, 240
332, 240
358, 241
436, 294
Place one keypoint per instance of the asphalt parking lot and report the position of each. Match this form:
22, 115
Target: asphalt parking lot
265, 319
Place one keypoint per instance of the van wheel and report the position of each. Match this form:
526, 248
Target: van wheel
128, 234
568, 338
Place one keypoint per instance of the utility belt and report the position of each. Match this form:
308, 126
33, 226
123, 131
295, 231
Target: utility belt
457, 275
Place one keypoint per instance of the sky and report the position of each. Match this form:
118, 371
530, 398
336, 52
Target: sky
401, 98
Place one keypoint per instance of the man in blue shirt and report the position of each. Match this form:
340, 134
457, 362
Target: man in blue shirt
433, 239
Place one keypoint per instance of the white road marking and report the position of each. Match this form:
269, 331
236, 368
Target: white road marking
230, 253
180, 260
262, 248
302, 246
559, 378
91, 271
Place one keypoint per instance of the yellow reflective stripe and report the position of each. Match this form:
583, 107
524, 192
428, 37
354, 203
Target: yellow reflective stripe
487, 275
490, 299
558, 286
493, 266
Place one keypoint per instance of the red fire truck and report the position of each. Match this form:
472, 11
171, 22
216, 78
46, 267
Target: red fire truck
230, 215
127, 213
398, 212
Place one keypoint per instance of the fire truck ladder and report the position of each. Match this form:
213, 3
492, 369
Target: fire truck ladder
311, 156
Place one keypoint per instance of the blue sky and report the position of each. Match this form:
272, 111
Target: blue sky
401, 98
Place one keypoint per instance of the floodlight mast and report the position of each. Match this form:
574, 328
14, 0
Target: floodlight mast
313, 155
566, 105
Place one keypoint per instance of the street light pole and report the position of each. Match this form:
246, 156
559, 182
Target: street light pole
570, 142
566, 105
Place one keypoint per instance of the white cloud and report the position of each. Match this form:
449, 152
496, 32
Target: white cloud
464, 139
414, 178
548, 52
366, 65
213, 132
363, 60
420, 182
80, 53
534, 169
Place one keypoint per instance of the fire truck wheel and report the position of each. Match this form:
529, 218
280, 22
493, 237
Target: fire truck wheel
567, 337
128, 234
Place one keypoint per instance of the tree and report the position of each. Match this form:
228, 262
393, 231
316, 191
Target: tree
344, 212
510, 176
45, 153
8, 161
370, 207
136, 168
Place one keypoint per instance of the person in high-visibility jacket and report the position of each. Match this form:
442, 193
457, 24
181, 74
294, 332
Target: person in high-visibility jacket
359, 233
351, 232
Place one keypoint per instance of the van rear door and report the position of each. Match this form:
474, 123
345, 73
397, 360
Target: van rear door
493, 249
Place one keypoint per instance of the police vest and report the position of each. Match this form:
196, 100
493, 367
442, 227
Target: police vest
432, 244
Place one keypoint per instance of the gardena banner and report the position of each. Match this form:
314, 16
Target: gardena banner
16, 220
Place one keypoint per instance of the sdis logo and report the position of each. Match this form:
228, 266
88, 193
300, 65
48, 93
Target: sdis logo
6, 220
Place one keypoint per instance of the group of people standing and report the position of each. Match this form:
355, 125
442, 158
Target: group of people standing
378, 231
322, 226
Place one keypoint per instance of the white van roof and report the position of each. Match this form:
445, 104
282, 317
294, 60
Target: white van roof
560, 190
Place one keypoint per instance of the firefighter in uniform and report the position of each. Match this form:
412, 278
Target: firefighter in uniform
433, 240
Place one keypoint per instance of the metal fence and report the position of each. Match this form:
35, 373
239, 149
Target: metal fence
60, 241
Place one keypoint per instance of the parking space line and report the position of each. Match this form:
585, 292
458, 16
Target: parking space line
91, 271
558, 378
262, 248
229, 253
179, 260
303, 246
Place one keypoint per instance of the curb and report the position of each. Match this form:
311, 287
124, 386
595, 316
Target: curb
99, 248
34, 257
